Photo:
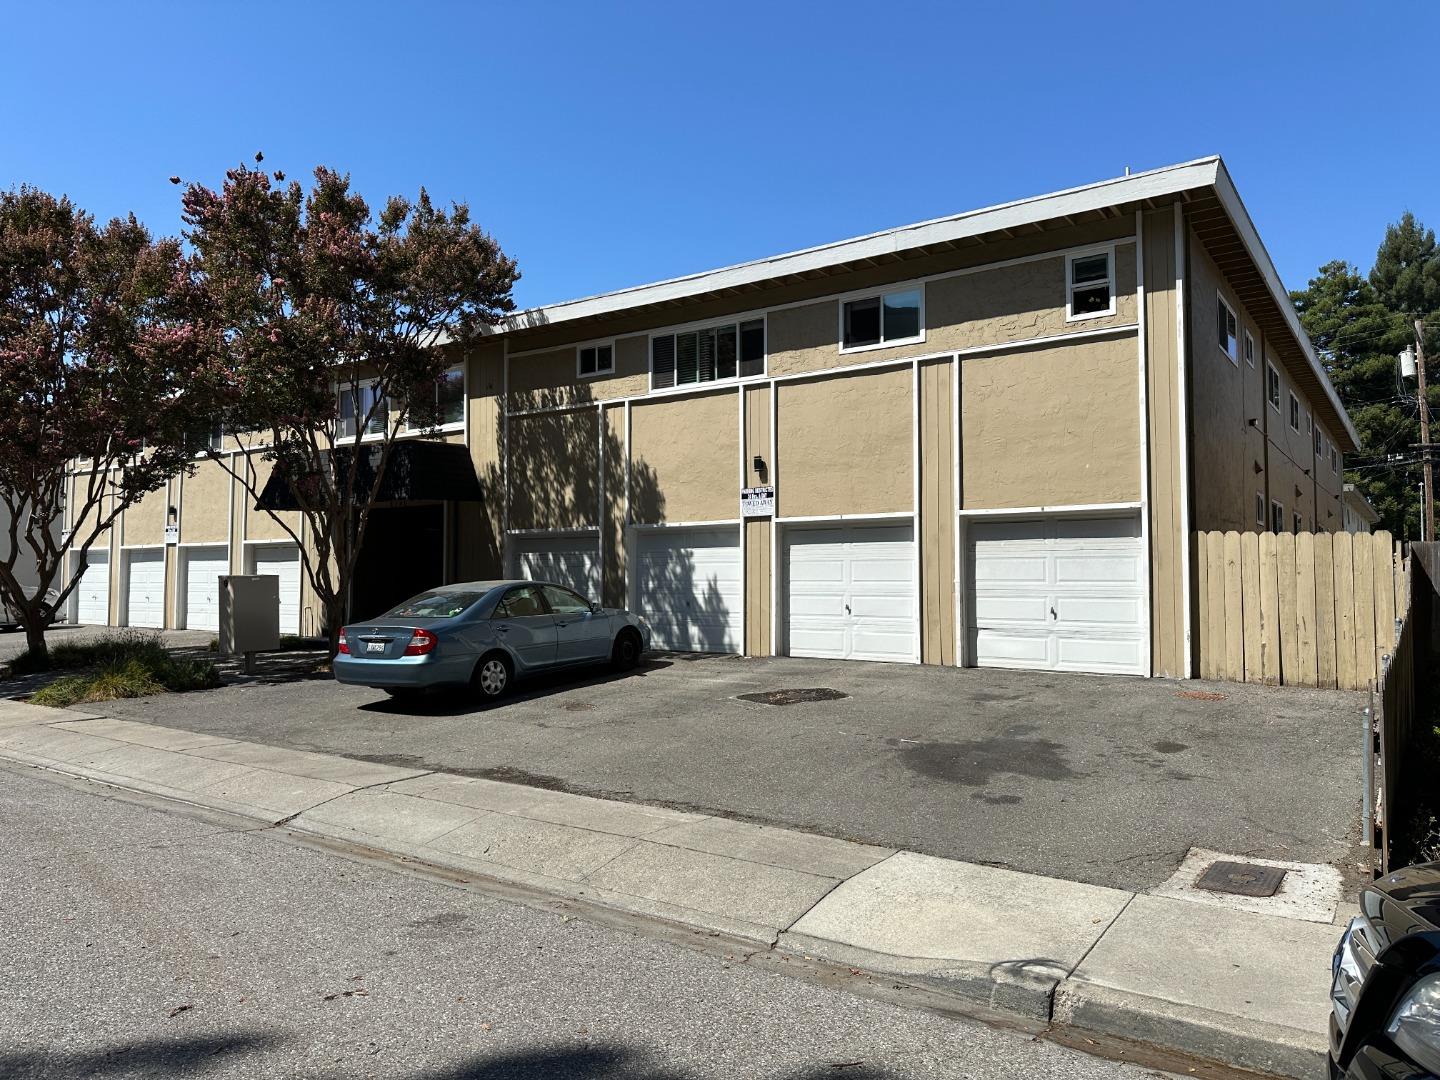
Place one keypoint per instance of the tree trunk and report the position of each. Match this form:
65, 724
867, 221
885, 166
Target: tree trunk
35, 639
334, 622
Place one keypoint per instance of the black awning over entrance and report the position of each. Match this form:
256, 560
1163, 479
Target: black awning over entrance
418, 471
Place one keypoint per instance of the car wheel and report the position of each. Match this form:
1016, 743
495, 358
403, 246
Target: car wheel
626, 652
491, 677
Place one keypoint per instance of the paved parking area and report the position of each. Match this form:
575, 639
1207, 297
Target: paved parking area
1102, 780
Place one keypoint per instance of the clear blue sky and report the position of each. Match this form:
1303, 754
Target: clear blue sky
610, 145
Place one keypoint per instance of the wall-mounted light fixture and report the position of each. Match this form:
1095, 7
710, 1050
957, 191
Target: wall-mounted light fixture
172, 516
758, 464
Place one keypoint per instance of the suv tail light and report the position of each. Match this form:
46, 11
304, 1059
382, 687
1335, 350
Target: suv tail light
344, 646
421, 642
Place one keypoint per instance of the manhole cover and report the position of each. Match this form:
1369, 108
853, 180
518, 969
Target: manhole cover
1242, 879
794, 697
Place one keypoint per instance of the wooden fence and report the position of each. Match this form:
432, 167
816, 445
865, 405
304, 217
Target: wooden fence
1395, 724
1303, 609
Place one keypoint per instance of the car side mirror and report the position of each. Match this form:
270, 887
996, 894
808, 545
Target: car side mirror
595, 607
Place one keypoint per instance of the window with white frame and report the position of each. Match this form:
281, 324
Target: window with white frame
1298, 524
712, 354
1249, 349
1272, 386
1318, 441
892, 318
1089, 284
1294, 412
1334, 458
1260, 509
205, 436
1277, 517
449, 407
1228, 327
358, 402
597, 359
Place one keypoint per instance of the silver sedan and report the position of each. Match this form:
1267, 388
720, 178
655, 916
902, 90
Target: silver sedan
485, 635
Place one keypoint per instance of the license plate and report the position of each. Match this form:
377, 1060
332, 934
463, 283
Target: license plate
375, 646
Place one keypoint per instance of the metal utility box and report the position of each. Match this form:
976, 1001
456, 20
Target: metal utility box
249, 613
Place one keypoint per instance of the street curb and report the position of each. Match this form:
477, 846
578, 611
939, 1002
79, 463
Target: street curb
1259, 1047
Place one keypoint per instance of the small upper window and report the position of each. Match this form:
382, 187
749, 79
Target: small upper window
1334, 458
889, 319
449, 409
1089, 285
1272, 386
1249, 349
717, 353
1260, 509
596, 360
1277, 517
1318, 440
1298, 523
1227, 326
1294, 412
359, 402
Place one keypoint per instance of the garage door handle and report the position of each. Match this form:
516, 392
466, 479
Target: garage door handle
1052, 614
847, 609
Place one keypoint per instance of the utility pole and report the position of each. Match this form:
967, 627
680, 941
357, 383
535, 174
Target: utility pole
1427, 517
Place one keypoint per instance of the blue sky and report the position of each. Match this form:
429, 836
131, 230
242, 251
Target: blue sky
610, 145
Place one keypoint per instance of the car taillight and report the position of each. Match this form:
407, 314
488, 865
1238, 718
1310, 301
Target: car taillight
421, 642
344, 646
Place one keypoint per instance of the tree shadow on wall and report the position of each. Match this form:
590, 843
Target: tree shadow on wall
556, 482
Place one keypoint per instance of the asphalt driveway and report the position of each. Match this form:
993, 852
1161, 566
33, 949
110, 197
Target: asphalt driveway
1102, 780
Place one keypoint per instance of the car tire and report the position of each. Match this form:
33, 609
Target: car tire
492, 677
625, 653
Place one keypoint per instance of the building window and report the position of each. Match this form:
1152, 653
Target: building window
1294, 412
1334, 459
1249, 349
449, 403
714, 354
1089, 284
1228, 327
895, 318
358, 402
592, 360
1298, 524
205, 436
1319, 441
1260, 509
1272, 386
1277, 517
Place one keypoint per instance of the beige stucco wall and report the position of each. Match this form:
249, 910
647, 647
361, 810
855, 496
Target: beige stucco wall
685, 458
145, 520
259, 524
845, 445
203, 504
554, 459
552, 377
1053, 426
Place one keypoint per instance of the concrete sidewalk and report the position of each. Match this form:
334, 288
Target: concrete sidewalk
1231, 986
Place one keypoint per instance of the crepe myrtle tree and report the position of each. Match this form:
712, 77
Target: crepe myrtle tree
333, 328
96, 344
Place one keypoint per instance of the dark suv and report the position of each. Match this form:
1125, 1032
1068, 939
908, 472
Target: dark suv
1385, 988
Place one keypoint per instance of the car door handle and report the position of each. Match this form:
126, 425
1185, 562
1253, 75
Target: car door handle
501, 628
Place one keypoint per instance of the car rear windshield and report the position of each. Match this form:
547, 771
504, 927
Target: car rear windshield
441, 604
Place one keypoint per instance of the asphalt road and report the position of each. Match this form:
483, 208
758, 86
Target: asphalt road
138, 942
1108, 781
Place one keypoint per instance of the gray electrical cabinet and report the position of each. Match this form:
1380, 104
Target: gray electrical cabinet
249, 613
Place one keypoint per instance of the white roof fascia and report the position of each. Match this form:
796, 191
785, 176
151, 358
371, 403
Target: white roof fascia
1155, 183
1230, 199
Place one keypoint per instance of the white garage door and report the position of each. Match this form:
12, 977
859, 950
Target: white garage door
203, 568
145, 588
688, 585
570, 560
1063, 594
282, 560
92, 607
850, 593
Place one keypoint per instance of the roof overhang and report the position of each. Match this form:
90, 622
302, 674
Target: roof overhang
419, 470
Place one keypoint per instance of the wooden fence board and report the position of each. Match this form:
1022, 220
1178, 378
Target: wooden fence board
1304, 610
1270, 609
1324, 610
1364, 610
1202, 607
1345, 676
1234, 625
1289, 644
1215, 549
1384, 595
1250, 605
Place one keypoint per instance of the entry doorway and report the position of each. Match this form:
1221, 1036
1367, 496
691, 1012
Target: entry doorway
403, 554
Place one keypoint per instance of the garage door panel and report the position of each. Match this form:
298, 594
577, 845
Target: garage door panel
850, 593
689, 586
1064, 593
203, 569
145, 589
93, 605
283, 562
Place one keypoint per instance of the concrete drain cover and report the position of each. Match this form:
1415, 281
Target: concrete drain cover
1242, 879
794, 697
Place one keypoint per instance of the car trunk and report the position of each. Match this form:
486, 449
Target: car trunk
386, 641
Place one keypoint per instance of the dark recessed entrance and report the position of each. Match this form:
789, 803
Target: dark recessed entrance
403, 554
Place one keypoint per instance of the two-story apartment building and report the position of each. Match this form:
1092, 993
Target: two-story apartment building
985, 439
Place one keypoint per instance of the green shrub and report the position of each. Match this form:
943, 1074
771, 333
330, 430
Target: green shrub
109, 649
141, 668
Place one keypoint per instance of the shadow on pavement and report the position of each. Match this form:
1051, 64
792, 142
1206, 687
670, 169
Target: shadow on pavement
181, 1055
458, 702
609, 1063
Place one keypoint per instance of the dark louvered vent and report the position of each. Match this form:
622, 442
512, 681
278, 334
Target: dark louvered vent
662, 356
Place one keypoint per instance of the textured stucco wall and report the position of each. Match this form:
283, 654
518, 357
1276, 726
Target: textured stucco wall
1043, 427
204, 504
845, 445
554, 459
685, 458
